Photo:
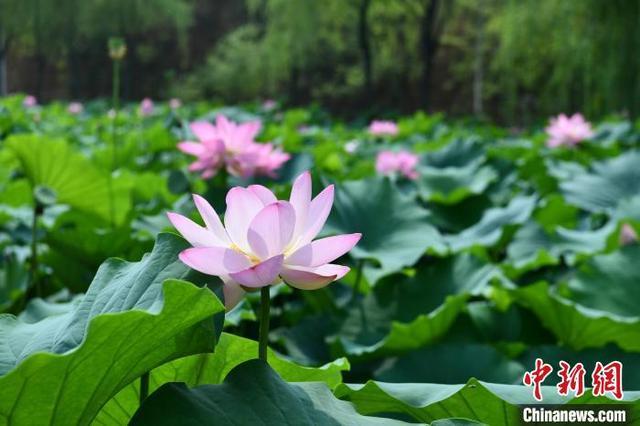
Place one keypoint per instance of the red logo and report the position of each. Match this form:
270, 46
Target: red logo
606, 380
571, 379
536, 377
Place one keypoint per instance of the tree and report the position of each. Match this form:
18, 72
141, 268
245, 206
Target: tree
430, 30
365, 47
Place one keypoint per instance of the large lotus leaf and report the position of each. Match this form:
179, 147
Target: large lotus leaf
77, 246
629, 209
395, 229
404, 313
195, 370
608, 183
252, 393
132, 319
532, 247
489, 230
459, 153
305, 340
490, 322
74, 179
118, 286
578, 326
553, 211
455, 362
453, 184
457, 217
38, 309
610, 283
490, 403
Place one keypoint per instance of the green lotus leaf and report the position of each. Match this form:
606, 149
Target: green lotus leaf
72, 177
195, 370
607, 184
489, 229
133, 318
490, 403
251, 393
404, 313
578, 326
395, 229
453, 184
532, 247
459, 153
610, 282
456, 363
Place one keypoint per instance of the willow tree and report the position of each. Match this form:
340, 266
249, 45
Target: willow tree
563, 56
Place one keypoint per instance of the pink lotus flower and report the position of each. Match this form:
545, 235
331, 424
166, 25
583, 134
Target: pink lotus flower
569, 131
628, 235
175, 103
264, 240
30, 101
232, 144
403, 162
146, 107
258, 159
209, 151
75, 108
381, 128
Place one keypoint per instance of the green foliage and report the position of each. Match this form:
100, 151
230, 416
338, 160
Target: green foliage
502, 251
395, 237
70, 362
196, 370
489, 403
72, 178
273, 401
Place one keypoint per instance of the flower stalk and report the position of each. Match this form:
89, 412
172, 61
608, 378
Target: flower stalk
356, 284
33, 270
117, 52
265, 307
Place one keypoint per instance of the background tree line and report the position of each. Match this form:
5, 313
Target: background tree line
511, 60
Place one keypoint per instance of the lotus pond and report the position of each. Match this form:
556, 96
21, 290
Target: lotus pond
415, 270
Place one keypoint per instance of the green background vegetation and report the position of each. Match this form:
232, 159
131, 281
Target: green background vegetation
513, 60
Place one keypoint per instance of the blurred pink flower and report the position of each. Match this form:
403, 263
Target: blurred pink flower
258, 159
175, 103
269, 105
569, 131
628, 235
232, 144
30, 101
403, 162
146, 107
209, 150
380, 128
75, 108
265, 240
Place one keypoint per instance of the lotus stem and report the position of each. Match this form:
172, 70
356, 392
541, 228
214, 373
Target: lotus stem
356, 284
265, 305
33, 270
115, 104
